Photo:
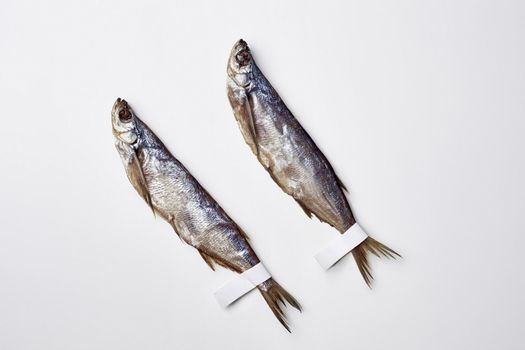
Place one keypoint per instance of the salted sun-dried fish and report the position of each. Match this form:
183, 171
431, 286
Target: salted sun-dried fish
289, 154
175, 195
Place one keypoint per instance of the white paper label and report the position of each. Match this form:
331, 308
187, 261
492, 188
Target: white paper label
241, 285
341, 246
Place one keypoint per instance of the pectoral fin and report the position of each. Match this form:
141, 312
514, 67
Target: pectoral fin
136, 176
242, 110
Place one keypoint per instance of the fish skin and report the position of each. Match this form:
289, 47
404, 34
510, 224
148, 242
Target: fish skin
286, 150
176, 196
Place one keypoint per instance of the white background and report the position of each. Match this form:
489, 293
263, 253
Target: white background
419, 105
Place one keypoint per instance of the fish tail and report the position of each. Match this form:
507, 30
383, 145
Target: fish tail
277, 297
362, 251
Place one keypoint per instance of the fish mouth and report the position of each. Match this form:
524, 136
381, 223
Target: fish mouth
241, 53
122, 109
241, 44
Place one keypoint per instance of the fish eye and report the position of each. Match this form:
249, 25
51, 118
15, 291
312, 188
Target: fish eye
124, 115
243, 57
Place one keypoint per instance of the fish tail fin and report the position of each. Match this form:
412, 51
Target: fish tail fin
362, 251
276, 297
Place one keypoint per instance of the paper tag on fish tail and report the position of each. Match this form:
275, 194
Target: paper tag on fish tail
341, 246
242, 284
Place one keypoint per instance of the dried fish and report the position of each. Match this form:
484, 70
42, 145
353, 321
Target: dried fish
289, 154
176, 196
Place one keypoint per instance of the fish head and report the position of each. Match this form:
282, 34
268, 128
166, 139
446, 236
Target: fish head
240, 63
124, 122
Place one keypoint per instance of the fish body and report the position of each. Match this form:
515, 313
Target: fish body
288, 153
176, 196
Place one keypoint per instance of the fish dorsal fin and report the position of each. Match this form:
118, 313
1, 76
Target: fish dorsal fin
341, 184
138, 180
243, 234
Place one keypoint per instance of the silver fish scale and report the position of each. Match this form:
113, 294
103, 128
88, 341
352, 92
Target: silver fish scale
291, 156
195, 215
176, 196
